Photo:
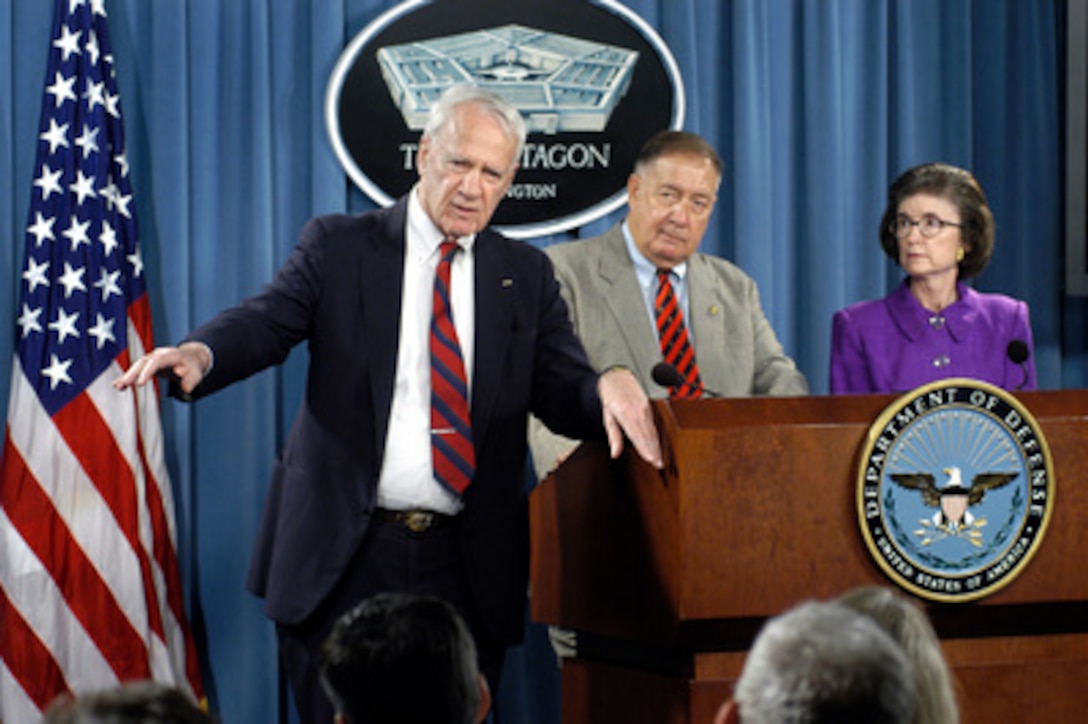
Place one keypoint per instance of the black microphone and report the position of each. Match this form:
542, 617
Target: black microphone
667, 375
1018, 352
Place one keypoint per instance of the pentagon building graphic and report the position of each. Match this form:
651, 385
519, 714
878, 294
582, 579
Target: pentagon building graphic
559, 83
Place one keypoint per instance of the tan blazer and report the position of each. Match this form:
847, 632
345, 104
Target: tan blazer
737, 351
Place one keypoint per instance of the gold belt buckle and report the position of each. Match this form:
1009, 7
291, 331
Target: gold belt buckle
417, 521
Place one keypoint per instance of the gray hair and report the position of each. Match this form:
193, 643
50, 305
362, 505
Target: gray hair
910, 628
508, 116
824, 662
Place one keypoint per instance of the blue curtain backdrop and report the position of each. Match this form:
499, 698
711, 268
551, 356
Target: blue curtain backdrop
814, 104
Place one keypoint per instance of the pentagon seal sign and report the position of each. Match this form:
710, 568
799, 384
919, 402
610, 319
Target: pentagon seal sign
592, 79
955, 489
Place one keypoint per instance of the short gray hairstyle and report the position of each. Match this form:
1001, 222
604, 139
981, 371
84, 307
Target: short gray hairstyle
909, 626
824, 662
495, 105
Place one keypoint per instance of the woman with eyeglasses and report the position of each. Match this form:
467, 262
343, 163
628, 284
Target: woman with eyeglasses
939, 229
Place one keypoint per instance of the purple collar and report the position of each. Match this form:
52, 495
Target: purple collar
915, 321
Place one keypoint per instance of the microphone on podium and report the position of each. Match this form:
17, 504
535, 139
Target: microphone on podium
667, 375
1018, 352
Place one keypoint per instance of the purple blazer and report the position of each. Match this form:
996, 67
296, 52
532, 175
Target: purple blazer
895, 344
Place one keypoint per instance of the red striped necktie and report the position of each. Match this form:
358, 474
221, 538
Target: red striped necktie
676, 348
452, 450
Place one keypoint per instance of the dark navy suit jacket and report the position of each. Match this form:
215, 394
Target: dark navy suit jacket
340, 291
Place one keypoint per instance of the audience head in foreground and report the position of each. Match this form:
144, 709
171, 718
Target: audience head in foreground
909, 626
822, 662
141, 702
399, 658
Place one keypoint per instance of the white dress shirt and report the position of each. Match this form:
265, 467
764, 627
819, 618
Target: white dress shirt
407, 474
646, 273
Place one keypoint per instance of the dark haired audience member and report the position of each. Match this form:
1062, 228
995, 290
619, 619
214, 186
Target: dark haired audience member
399, 658
140, 702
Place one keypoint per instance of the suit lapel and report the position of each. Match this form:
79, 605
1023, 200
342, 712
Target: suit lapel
495, 281
381, 279
625, 301
710, 325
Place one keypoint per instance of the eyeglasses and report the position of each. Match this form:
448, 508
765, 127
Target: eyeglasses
929, 226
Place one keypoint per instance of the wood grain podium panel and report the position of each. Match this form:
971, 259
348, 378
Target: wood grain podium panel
660, 571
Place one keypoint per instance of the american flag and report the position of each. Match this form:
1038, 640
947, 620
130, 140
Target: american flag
90, 591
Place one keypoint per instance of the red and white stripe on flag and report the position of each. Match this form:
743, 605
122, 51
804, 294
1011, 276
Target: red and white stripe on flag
90, 591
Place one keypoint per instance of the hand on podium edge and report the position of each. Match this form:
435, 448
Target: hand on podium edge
627, 411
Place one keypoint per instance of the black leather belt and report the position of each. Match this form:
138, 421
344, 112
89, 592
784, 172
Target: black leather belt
417, 521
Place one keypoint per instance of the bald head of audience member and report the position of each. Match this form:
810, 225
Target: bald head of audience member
399, 658
823, 662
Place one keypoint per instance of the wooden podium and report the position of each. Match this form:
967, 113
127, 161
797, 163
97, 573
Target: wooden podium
668, 575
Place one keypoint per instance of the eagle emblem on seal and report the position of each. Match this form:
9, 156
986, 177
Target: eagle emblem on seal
953, 501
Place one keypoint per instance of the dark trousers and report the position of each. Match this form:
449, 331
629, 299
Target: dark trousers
391, 558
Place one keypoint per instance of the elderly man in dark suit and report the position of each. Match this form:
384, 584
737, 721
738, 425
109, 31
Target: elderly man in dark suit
382, 485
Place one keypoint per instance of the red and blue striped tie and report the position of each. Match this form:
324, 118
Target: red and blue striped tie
676, 348
452, 449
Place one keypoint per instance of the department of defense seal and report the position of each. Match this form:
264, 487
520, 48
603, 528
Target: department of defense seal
955, 489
